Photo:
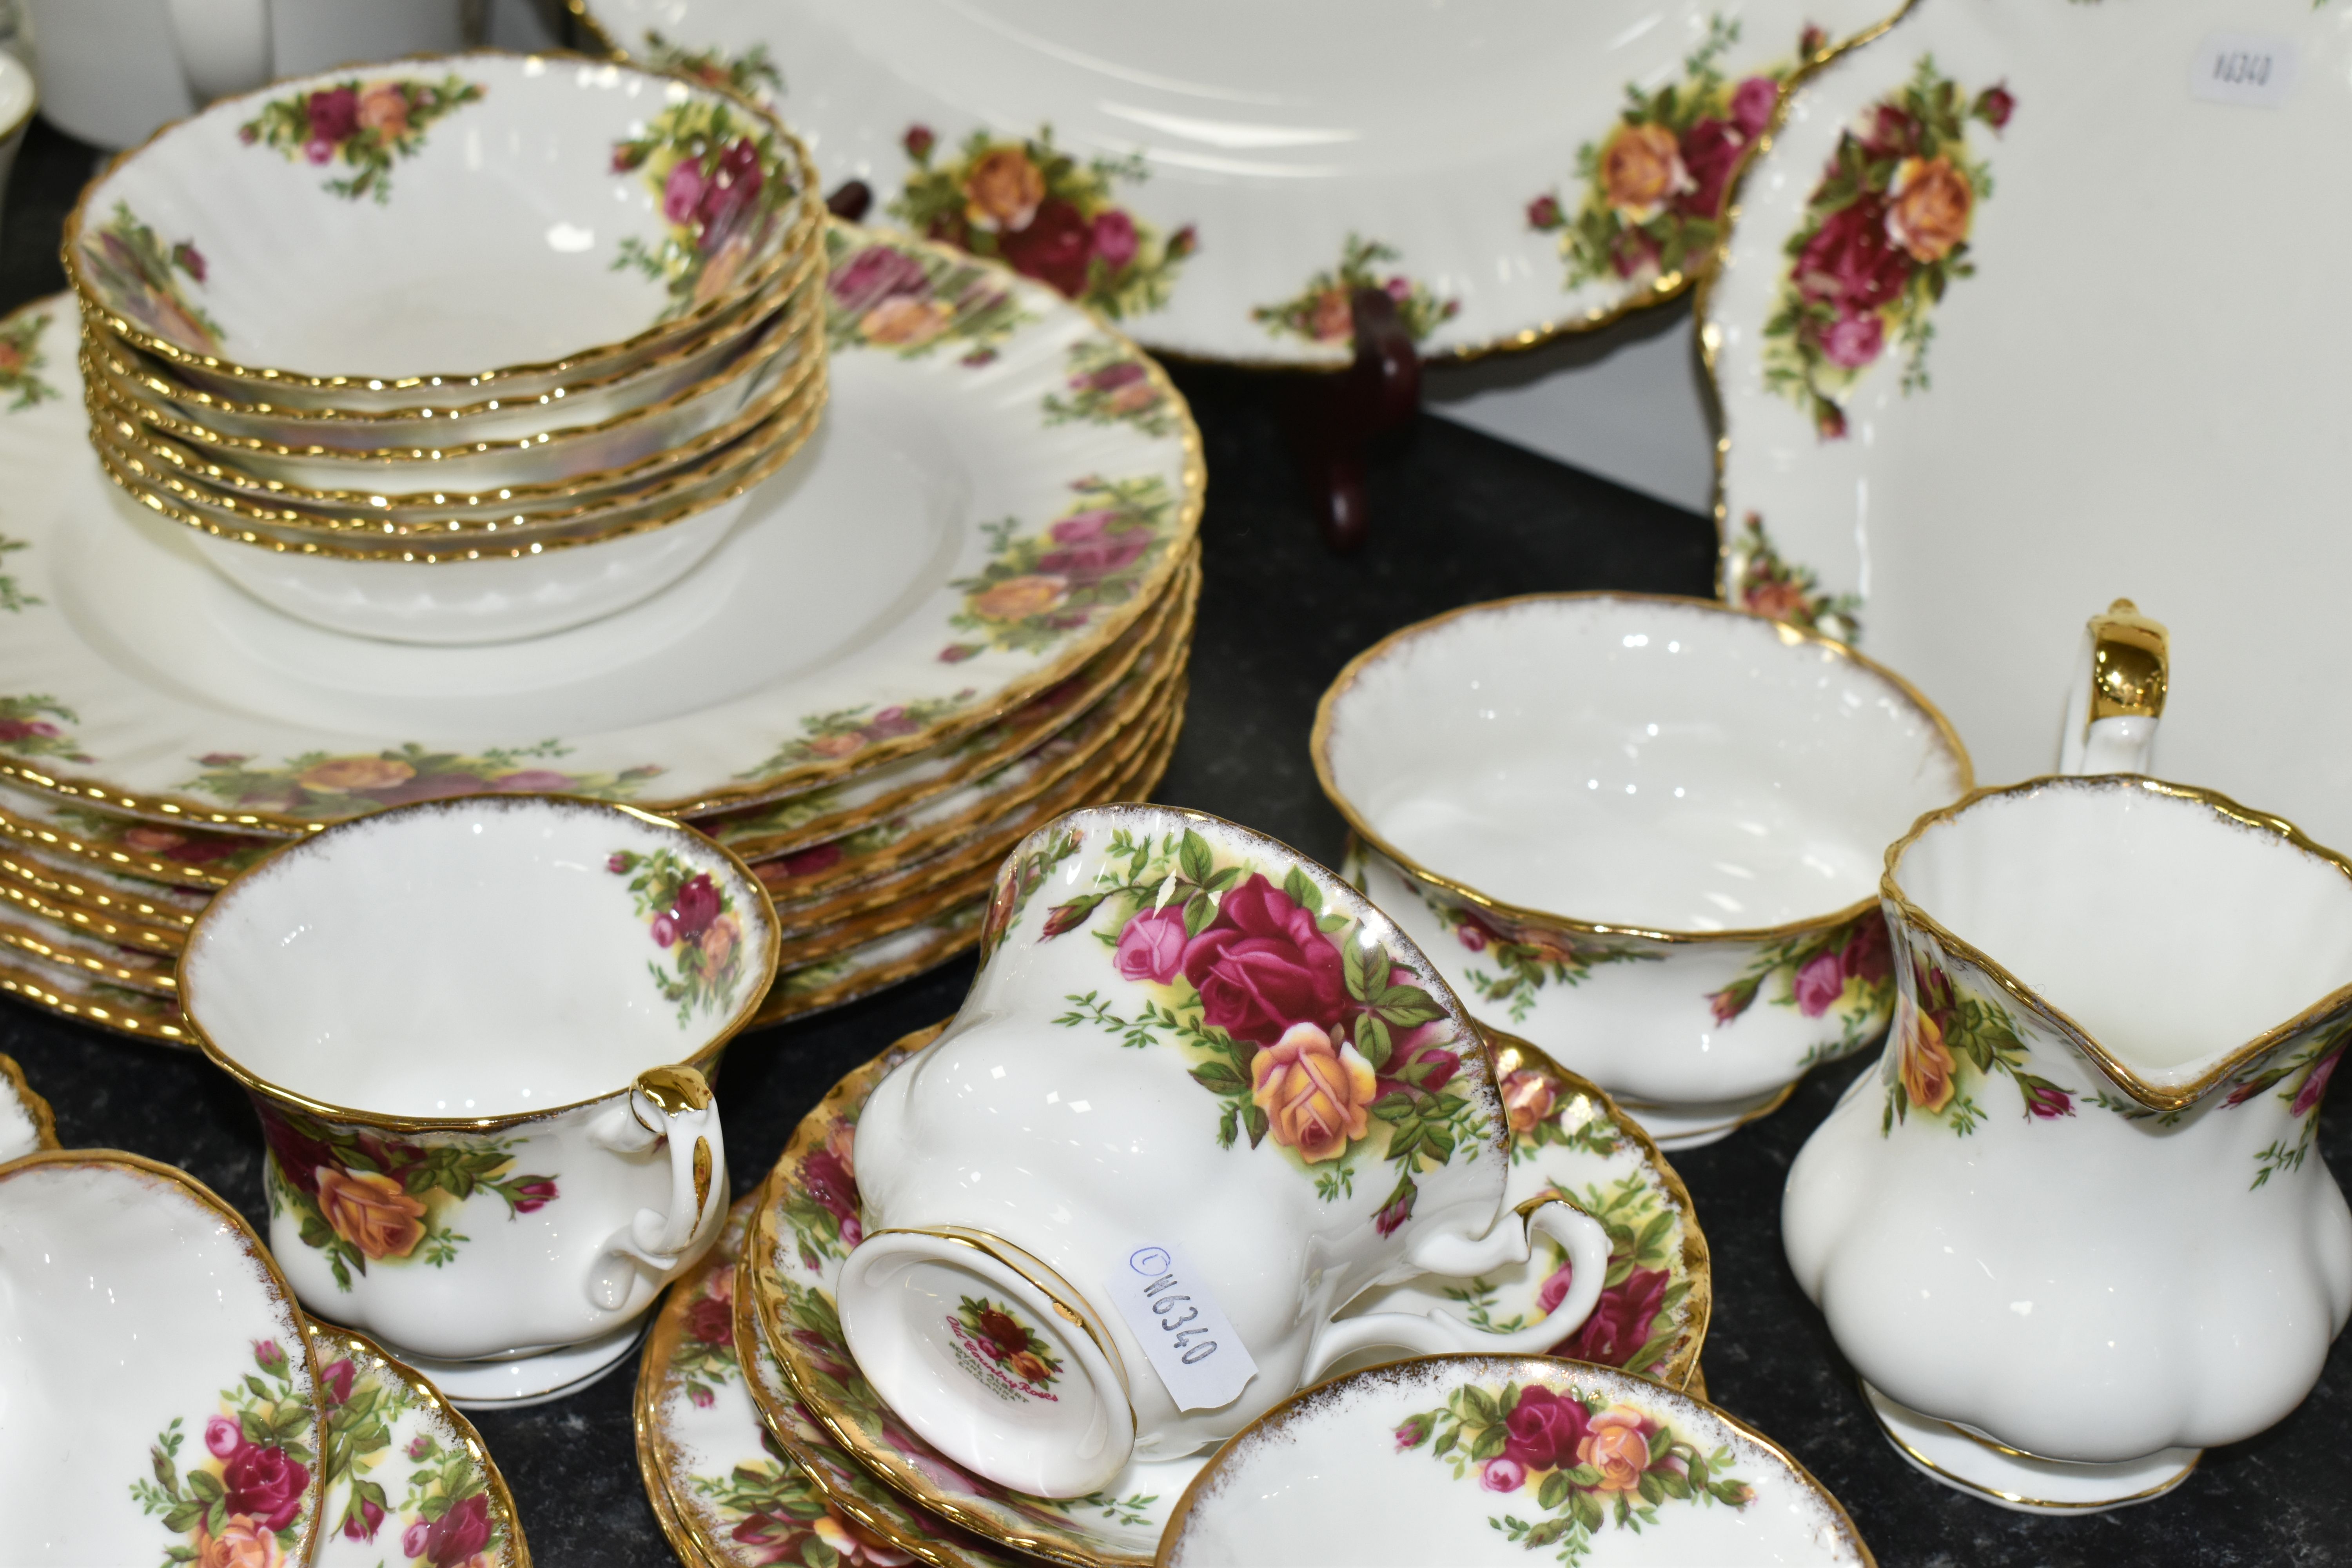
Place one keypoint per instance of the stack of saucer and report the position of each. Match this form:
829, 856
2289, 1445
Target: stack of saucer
376, 230
963, 607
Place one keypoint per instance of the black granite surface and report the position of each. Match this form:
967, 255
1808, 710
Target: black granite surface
1457, 518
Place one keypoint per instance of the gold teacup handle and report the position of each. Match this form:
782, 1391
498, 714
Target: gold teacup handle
2118, 698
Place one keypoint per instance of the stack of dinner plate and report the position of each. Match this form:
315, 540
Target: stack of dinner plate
862, 555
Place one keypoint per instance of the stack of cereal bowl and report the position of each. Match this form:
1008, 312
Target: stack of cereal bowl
257, 602
640, 255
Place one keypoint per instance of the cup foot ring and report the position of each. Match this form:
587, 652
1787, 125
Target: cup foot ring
526, 1380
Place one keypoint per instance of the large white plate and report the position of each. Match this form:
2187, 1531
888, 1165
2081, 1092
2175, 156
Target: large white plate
2135, 390
900, 582
1282, 139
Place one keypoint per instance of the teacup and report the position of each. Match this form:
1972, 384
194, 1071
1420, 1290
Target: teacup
1702, 793
2071, 1232
1202, 1095
477, 1033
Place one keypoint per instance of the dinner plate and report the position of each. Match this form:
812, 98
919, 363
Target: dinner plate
162, 1404
2042, 365
735, 1498
1220, 176
947, 547
407, 1477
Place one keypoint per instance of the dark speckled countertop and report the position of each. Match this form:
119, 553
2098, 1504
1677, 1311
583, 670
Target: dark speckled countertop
1458, 518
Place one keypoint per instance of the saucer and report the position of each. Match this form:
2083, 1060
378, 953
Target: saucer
405, 1473
162, 1402
70, 994
1981, 1468
26, 1123
1568, 1137
974, 550
1471, 1458
828, 1417
727, 1496
528, 1380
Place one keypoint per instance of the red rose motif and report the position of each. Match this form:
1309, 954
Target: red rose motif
337, 1380
1091, 559
362, 1525
1891, 134
682, 192
1107, 379
1262, 965
696, 907
2314, 1088
264, 1484
875, 274
712, 1319
890, 723
298, 1157
1994, 105
2048, 1102
1152, 947
334, 113
1114, 238
1710, 150
1854, 340
1752, 103
1053, 248
1544, 1430
1544, 212
1851, 263
1004, 1331
729, 194
1622, 1320
834, 1187
1869, 953
920, 141
449, 1541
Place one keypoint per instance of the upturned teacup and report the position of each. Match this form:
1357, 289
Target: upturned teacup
1202, 1096
479, 1032
1641, 832
2076, 1213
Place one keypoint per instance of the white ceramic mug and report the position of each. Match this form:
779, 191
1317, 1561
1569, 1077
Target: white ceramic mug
111, 71
1202, 1095
477, 1031
2075, 1211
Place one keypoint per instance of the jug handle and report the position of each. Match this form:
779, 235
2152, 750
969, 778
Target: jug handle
673, 1103
1440, 1332
2117, 700
224, 45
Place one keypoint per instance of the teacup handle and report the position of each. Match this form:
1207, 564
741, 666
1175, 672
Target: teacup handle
2118, 695
1440, 1332
675, 1103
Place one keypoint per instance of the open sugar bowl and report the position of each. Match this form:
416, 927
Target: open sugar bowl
1641, 832
478, 1034
378, 238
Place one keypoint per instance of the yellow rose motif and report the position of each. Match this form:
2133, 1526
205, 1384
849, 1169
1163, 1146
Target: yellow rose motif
1618, 1446
244, 1542
1528, 1098
371, 1212
719, 941
1929, 205
1018, 598
1003, 190
383, 109
1333, 317
1642, 170
344, 774
1316, 1100
904, 321
1925, 1064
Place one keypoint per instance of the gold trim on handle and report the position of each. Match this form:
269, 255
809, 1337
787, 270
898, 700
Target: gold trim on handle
2130, 656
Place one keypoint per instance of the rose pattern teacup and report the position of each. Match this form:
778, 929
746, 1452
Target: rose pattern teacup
481, 1148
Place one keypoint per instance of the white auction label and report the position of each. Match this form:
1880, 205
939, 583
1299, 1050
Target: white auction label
1189, 1341
2254, 70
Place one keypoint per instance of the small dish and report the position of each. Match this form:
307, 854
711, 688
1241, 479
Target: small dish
162, 1402
735, 1498
26, 1123
1471, 1458
1641, 831
405, 1471
544, 213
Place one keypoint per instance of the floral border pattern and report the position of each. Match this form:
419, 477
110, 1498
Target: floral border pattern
240, 1504
1324, 312
443, 1518
911, 301
366, 126
33, 726
722, 179
750, 72
1046, 214
133, 271
1038, 588
1108, 384
21, 361
1760, 580
1885, 234
331, 785
694, 920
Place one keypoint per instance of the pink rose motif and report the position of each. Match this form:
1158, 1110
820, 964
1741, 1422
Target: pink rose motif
682, 192
449, 1541
1412, 1432
1152, 946
268, 1357
420, 1446
665, 930
362, 1525
189, 259
1502, 1475
534, 1195
2314, 1088
1752, 102
1544, 212
875, 274
1849, 262
1114, 237
620, 862
1396, 1211
918, 142
532, 781
829, 1181
1109, 378
1263, 964
1096, 556
728, 193
334, 113
1854, 340
1621, 1321
223, 1436
1820, 982
889, 723
263, 1483
2048, 1102
337, 1380
24, 729
1399, 287
1994, 105
1544, 1429
1473, 935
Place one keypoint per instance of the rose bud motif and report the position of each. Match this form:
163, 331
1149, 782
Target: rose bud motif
335, 1379
223, 1438
1502, 1475
362, 1525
